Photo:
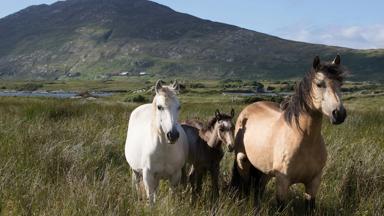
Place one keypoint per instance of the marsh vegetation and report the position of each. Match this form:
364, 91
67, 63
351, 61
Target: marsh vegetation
66, 157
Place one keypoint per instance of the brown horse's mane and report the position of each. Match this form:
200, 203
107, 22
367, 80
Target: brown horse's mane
301, 101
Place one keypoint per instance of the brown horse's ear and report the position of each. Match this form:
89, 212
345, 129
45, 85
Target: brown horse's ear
337, 60
316, 62
232, 113
158, 86
175, 85
217, 114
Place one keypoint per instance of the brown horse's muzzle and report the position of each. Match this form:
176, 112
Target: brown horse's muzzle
338, 116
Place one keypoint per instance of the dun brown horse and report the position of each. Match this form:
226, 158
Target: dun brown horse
205, 148
286, 141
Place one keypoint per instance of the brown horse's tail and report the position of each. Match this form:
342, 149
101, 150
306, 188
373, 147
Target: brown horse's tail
239, 185
235, 179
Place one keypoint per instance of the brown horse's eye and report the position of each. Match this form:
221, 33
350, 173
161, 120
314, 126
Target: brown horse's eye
320, 85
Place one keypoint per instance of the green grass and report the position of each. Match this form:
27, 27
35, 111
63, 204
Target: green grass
66, 157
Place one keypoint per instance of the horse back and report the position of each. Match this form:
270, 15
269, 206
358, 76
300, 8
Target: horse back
194, 125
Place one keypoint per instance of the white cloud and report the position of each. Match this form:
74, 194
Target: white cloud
359, 37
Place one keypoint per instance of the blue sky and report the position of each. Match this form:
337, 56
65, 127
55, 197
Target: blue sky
356, 24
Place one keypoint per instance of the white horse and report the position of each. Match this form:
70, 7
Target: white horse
156, 146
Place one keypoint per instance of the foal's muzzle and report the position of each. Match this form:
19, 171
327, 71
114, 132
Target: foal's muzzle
173, 135
338, 116
230, 147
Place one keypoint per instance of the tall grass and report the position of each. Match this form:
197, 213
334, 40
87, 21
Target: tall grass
66, 157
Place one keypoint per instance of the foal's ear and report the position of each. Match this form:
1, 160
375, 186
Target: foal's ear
217, 114
175, 85
232, 113
158, 86
337, 60
316, 62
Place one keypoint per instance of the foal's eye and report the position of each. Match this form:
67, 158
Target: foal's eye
222, 129
160, 107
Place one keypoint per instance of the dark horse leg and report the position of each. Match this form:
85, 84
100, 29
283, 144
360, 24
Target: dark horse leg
215, 172
258, 181
238, 184
192, 180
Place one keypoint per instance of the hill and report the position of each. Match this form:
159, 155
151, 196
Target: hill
94, 38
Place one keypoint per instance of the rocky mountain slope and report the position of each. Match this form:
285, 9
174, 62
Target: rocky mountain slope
94, 38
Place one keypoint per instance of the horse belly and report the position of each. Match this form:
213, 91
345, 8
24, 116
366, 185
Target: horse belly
258, 146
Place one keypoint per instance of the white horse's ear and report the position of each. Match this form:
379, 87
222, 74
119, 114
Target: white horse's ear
337, 60
232, 113
316, 62
175, 85
158, 86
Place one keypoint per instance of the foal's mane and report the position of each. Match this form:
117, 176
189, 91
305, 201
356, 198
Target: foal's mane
212, 121
301, 101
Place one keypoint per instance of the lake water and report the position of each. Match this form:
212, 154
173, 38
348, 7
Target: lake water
53, 94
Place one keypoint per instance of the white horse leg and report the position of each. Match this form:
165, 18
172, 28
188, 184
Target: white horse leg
311, 189
150, 183
282, 188
136, 182
175, 179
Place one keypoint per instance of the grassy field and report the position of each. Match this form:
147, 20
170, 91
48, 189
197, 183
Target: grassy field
66, 157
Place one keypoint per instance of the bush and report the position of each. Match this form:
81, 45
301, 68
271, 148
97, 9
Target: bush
136, 99
30, 87
253, 99
196, 85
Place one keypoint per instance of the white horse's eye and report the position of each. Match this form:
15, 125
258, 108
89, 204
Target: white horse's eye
160, 108
179, 107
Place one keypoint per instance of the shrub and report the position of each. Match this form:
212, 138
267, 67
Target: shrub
253, 99
196, 85
30, 87
136, 99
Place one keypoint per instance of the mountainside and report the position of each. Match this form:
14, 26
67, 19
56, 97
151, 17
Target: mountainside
94, 38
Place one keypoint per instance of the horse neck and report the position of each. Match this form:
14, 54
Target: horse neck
310, 119
310, 124
206, 135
